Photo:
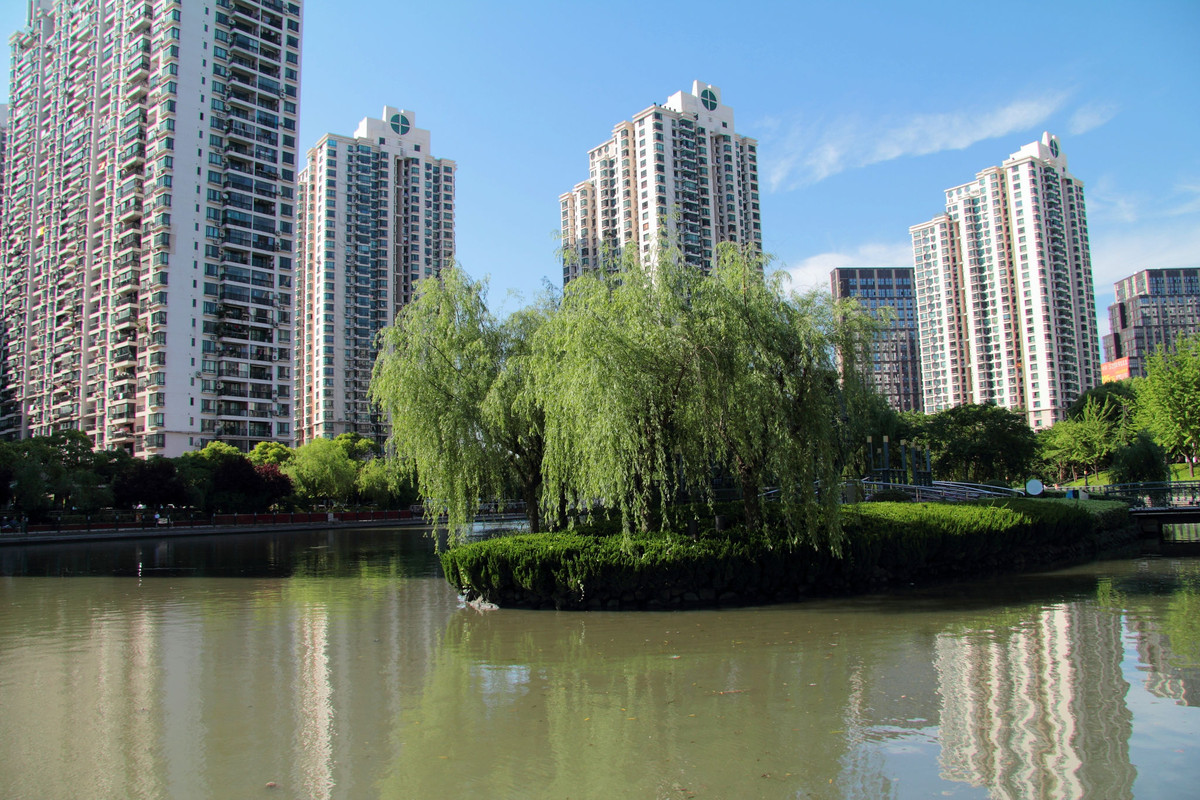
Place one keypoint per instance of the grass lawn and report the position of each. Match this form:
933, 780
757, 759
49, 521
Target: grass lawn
1179, 472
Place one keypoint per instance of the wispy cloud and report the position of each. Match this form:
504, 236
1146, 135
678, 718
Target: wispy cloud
812, 272
800, 154
1107, 203
1110, 204
1091, 116
1118, 253
1190, 204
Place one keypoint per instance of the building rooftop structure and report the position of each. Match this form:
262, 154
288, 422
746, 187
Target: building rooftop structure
676, 175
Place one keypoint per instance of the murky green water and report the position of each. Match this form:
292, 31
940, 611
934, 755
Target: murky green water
341, 665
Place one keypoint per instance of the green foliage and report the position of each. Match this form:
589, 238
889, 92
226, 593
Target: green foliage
270, 453
1169, 398
152, 482
60, 471
216, 452
885, 542
1141, 460
978, 443
1085, 440
1118, 399
321, 471
654, 376
357, 447
381, 483
453, 383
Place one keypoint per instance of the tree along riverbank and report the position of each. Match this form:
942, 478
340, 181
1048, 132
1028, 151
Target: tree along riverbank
883, 545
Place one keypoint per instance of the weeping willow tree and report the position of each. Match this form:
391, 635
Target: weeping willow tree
656, 377
613, 380
453, 383
767, 391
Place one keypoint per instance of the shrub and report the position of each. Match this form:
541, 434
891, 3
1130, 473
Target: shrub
885, 543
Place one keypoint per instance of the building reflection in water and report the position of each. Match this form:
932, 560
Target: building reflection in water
1164, 678
1037, 709
315, 709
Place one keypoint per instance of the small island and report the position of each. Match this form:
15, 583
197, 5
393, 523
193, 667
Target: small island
669, 432
883, 545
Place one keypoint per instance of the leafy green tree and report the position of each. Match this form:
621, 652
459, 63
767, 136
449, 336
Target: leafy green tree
8, 475
450, 379
980, 443
654, 376
270, 453
30, 481
1091, 436
1056, 451
56, 471
273, 486
152, 482
1169, 399
1118, 401
320, 470
380, 483
197, 470
612, 377
358, 447
770, 405
1142, 460
513, 414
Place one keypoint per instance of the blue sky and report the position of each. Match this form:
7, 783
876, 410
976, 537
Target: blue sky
865, 112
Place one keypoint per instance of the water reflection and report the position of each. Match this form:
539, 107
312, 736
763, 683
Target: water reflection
360, 675
1036, 708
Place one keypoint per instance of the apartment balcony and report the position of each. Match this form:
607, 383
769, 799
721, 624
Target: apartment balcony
137, 69
237, 62
239, 129
235, 99
240, 43
139, 19
232, 370
120, 434
231, 390
243, 23
132, 156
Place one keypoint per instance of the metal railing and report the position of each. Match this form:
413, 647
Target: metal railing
1166, 494
940, 490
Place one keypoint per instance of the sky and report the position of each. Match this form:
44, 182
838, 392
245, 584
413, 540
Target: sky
864, 112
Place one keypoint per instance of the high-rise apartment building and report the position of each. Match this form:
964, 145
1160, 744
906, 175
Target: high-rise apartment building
1005, 298
150, 200
377, 215
896, 359
9, 333
1152, 309
677, 173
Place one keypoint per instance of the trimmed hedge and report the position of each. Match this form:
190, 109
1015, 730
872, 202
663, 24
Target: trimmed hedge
885, 544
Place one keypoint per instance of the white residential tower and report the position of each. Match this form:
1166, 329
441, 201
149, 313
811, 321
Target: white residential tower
377, 216
677, 174
1006, 304
150, 200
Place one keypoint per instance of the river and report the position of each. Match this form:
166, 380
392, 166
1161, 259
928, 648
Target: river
339, 664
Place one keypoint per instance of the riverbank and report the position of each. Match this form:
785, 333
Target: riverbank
241, 523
